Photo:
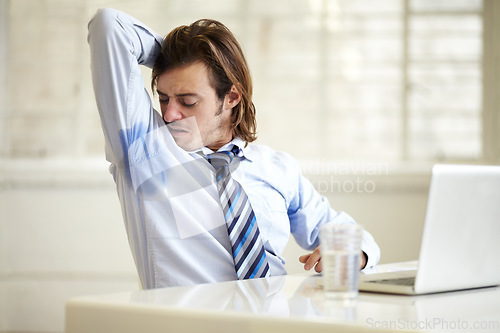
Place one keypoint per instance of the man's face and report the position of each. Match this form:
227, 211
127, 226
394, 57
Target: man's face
189, 105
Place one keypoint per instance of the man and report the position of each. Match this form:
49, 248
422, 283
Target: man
174, 196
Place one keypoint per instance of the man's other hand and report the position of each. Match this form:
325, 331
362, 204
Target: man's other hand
314, 260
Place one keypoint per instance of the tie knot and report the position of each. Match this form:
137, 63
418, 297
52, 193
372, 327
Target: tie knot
222, 159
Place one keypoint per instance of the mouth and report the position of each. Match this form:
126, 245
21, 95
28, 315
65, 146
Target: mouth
185, 133
175, 129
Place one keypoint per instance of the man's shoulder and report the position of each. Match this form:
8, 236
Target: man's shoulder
261, 153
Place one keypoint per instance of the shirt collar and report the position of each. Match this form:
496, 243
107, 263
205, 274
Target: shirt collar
238, 142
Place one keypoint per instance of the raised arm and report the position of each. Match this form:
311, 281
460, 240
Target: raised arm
118, 45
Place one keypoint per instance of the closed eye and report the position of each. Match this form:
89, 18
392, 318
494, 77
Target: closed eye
187, 100
188, 104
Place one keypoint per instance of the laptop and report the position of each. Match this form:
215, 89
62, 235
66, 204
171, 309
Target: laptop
461, 237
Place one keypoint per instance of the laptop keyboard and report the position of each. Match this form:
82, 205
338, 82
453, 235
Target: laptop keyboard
406, 281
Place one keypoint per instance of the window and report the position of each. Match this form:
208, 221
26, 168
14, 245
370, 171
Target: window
443, 79
391, 80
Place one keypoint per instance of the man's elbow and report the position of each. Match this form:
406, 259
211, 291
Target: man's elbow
102, 24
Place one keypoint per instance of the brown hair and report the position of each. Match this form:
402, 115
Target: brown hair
212, 43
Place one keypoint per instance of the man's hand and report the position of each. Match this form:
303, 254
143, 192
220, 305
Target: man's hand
314, 260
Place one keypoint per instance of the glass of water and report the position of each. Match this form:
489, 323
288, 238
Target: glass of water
340, 255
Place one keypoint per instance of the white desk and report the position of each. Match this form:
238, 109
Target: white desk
293, 303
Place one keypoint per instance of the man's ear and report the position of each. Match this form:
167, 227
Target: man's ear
233, 97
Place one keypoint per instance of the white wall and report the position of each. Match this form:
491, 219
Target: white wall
61, 233
59, 238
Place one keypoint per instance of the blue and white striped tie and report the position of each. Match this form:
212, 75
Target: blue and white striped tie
248, 251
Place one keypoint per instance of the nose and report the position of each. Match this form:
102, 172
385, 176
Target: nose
171, 111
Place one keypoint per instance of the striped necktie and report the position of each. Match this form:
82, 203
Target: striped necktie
248, 251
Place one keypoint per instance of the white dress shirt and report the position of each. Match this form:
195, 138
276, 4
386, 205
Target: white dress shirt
169, 198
